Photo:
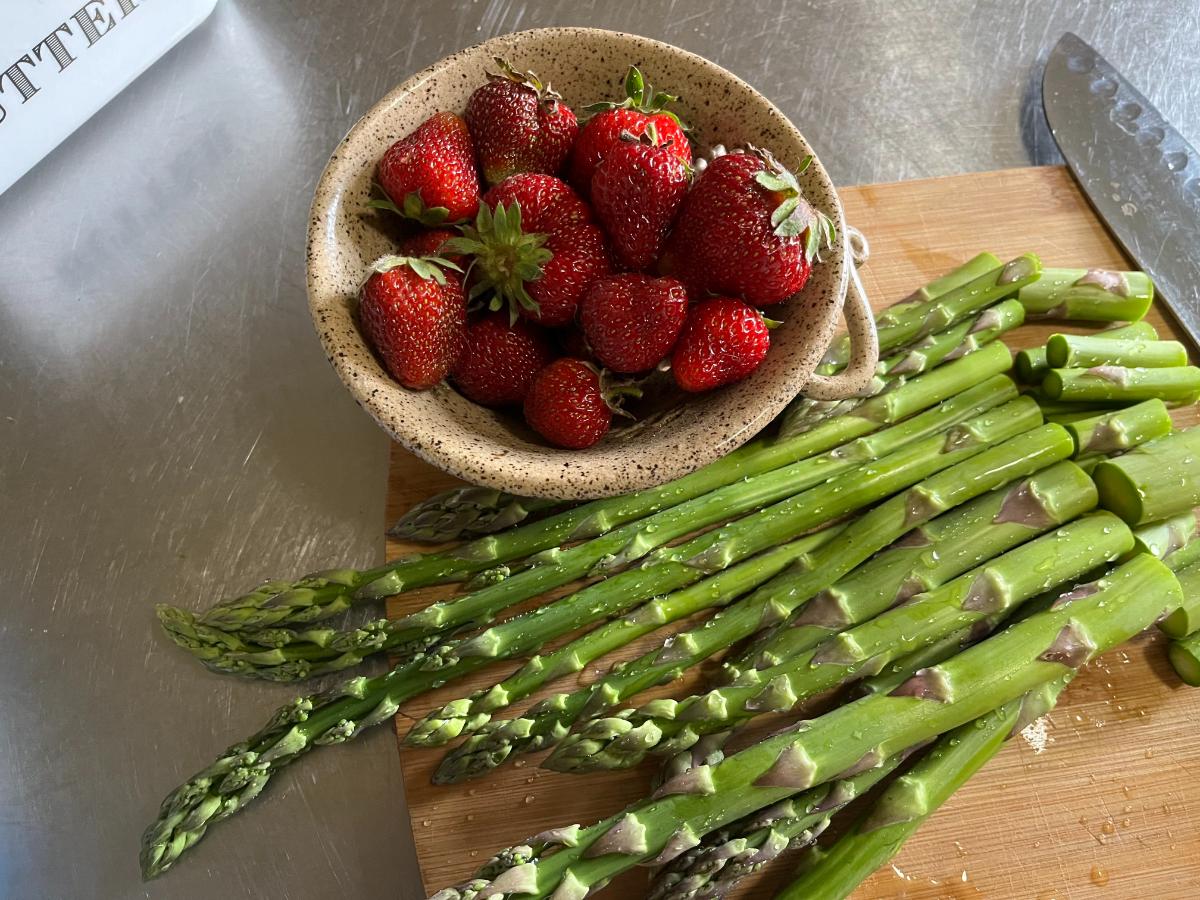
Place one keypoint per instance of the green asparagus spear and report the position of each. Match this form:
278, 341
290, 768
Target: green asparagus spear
1031, 364
910, 800
1172, 540
471, 713
275, 607
1095, 295
1185, 620
1120, 430
1178, 386
853, 738
467, 512
667, 726
922, 355
334, 717
960, 340
925, 313
1078, 351
932, 310
610, 552
547, 722
1155, 481
926, 558
1065, 407
727, 856
1185, 658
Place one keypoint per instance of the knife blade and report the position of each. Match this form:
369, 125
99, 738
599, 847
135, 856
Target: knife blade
1140, 174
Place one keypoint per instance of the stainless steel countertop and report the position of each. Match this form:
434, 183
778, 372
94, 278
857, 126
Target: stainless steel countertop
170, 431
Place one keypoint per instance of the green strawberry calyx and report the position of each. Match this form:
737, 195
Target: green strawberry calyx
639, 95
504, 257
547, 95
794, 216
413, 208
426, 267
616, 390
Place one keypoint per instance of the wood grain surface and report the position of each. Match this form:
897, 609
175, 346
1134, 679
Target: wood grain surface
1109, 809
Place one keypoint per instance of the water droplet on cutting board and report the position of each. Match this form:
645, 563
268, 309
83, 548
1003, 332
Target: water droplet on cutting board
1099, 876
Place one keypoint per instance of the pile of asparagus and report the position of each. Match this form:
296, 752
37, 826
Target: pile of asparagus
942, 553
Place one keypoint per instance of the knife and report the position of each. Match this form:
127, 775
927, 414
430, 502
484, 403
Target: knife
1140, 174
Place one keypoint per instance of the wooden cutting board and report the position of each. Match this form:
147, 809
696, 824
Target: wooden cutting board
1110, 808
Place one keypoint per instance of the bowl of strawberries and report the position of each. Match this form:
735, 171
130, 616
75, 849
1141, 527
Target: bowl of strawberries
563, 284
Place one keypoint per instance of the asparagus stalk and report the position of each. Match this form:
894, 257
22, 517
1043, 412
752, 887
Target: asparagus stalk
1179, 385
1077, 351
997, 587
615, 550
1172, 540
242, 772
1120, 430
278, 605
805, 413
931, 310
910, 800
1095, 295
925, 312
1155, 481
725, 857
926, 558
1186, 619
467, 512
1065, 407
852, 738
471, 713
1031, 364
547, 722
954, 343
1185, 658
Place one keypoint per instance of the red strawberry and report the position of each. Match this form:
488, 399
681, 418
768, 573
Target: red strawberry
723, 341
745, 229
428, 242
641, 108
566, 404
637, 190
580, 256
631, 321
500, 360
547, 203
540, 276
519, 125
415, 317
430, 175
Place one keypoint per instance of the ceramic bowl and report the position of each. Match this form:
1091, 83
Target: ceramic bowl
495, 448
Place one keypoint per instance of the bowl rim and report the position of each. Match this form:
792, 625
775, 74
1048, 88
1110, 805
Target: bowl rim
565, 481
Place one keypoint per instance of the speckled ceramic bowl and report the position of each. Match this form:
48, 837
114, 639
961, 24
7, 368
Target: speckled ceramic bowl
495, 448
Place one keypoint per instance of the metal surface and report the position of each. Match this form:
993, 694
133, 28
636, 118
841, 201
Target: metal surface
1141, 175
169, 429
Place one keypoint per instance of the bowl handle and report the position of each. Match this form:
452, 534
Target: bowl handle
864, 341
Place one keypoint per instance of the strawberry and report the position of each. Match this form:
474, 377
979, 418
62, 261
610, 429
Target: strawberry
519, 125
500, 360
566, 404
637, 190
631, 321
428, 242
547, 203
414, 315
537, 275
579, 257
744, 229
641, 108
430, 175
723, 341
